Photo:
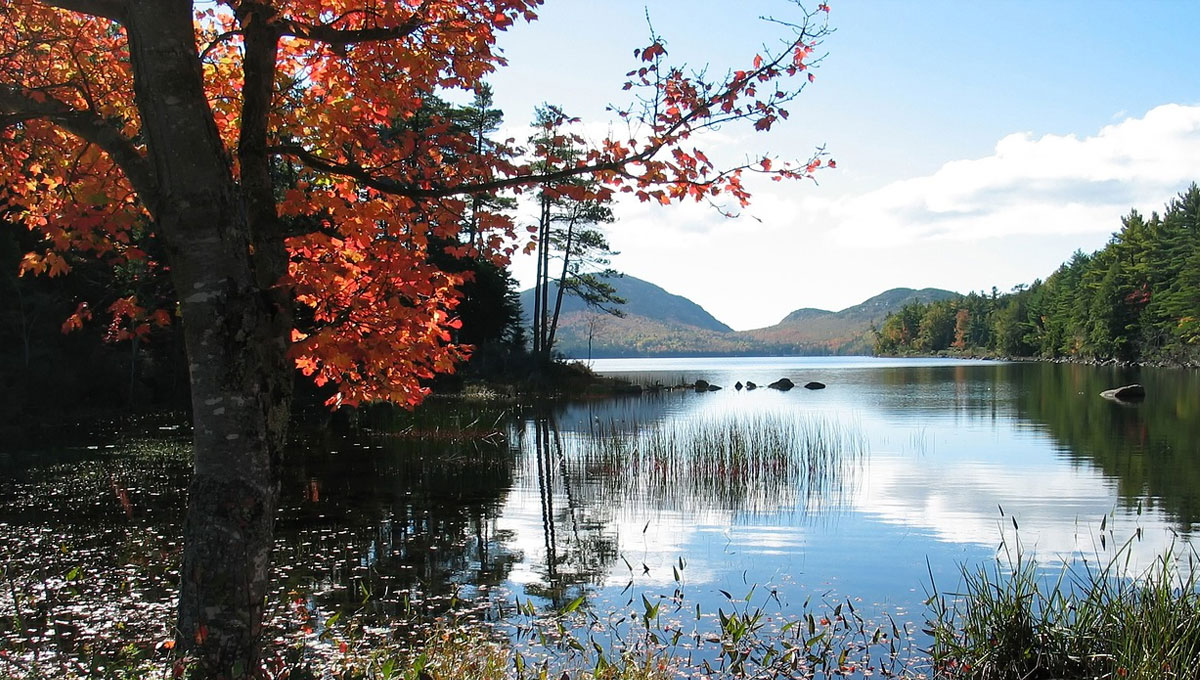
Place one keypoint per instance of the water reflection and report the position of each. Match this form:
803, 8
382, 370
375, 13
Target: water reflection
624, 481
1151, 449
953, 444
863, 489
578, 544
386, 513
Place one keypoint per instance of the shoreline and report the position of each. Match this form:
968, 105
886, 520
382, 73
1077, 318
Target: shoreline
961, 356
1118, 363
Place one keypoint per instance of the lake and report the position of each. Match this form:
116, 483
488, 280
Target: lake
872, 491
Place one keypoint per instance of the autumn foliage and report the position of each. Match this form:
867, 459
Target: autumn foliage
277, 160
360, 191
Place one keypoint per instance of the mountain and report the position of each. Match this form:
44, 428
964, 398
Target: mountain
642, 299
658, 323
885, 303
817, 331
804, 314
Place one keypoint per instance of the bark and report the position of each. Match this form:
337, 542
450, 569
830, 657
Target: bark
236, 326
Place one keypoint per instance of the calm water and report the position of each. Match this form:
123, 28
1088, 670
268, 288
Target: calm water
899, 469
950, 446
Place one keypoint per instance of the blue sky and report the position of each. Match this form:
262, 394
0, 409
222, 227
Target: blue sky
978, 143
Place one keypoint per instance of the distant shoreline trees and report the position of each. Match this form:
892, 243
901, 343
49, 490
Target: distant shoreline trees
1136, 299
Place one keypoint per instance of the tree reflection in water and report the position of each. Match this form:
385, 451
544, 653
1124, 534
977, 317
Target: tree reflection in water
581, 555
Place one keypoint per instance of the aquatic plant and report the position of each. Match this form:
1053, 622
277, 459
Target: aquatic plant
1017, 619
756, 635
733, 461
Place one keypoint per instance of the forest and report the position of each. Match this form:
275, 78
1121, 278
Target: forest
1135, 300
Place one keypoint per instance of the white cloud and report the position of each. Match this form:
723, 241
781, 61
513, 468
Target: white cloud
1057, 510
1054, 184
999, 220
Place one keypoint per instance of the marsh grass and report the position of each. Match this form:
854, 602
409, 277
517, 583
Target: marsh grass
759, 635
732, 461
1015, 619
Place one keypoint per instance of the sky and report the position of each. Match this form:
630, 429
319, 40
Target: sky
978, 144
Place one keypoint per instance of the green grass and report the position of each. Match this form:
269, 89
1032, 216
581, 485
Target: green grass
1014, 619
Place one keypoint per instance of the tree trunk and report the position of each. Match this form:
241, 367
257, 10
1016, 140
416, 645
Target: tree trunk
562, 282
241, 392
236, 330
538, 282
544, 254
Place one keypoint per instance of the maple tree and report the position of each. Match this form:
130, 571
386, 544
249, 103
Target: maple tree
263, 145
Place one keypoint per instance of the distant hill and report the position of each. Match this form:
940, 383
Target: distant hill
888, 301
817, 331
804, 314
642, 299
658, 323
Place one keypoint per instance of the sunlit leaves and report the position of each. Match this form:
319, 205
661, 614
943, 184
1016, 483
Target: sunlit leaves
368, 172
381, 316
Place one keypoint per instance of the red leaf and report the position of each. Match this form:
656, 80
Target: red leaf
655, 50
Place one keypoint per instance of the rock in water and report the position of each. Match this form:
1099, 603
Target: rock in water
782, 384
701, 385
1133, 392
814, 385
750, 385
738, 386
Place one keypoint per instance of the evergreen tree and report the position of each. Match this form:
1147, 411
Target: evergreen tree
573, 253
1136, 299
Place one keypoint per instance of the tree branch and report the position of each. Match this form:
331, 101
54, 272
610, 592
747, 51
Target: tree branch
341, 37
109, 9
391, 186
86, 125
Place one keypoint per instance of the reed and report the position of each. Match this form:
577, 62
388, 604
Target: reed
1015, 619
730, 462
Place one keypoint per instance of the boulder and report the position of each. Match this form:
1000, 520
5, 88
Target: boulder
701, 385
713, 388
750, 385
782, 384
814, 385
1133, 392
738, 386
